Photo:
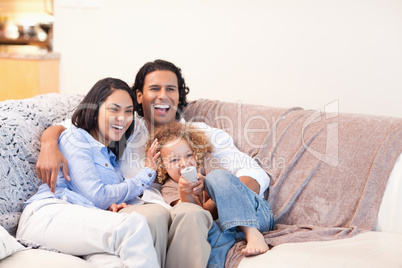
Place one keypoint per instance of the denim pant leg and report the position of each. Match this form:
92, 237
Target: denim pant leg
220, 243
237, 206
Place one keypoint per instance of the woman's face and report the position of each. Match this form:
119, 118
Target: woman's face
159, 97
114, 117
177, 155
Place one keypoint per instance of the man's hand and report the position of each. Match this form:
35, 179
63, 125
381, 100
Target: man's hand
48, 165
50, 159
117, 207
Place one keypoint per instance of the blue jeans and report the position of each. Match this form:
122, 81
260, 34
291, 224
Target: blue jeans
237, 206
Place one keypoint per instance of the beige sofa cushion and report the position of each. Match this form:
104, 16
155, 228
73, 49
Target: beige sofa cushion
37, 258
370, 249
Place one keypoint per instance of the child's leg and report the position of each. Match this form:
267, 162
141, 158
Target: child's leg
220, 243
239, 206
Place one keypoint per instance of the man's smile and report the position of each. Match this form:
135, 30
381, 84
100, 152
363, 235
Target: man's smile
163, 108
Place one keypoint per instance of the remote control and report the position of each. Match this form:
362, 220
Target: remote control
189, 173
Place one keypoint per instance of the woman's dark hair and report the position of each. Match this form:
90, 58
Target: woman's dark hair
160, 65
86, 114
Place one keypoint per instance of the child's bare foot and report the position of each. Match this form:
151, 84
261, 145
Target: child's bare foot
255, 242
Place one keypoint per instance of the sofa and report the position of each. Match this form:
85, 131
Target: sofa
336, 180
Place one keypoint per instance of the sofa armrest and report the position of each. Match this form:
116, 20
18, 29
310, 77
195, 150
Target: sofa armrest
390, 213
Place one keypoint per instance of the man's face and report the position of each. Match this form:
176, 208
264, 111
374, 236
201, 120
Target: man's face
159, 97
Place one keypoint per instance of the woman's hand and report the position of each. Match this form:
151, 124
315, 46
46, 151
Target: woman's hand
117, 207
152, 156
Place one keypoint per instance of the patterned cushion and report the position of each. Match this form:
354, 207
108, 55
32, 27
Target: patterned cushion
22, 122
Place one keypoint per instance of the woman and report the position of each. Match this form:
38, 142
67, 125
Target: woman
71, 220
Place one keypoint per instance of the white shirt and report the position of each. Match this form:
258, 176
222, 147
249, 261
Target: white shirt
229, 156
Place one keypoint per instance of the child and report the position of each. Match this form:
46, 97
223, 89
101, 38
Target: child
180, 146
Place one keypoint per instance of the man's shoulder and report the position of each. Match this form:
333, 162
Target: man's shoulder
138, 137
79, 138
201, 126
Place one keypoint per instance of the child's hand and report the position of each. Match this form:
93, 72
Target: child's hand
186, 189
117, 207
150, 162
199, 188
185, 186
189, 190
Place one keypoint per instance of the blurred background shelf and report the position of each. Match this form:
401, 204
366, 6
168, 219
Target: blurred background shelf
27, 71
28, 66
32, 41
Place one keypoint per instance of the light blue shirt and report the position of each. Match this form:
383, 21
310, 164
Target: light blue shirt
96, 179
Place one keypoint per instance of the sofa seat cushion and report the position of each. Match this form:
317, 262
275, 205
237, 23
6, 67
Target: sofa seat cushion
8, 244
38, 258
369, 249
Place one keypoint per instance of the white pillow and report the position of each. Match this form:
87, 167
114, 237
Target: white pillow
8, 244
390, 213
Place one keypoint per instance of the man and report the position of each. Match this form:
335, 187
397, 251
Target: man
180, 238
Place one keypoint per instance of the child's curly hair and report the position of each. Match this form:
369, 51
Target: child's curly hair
196, 139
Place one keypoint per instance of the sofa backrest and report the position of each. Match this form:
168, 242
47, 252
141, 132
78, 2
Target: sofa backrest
327, 168
22, 122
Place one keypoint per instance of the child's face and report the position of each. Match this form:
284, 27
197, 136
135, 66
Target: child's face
177, 155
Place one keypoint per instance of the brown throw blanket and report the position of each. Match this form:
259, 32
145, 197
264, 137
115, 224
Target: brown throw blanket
328, 170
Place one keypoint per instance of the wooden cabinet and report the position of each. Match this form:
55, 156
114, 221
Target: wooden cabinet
24, 76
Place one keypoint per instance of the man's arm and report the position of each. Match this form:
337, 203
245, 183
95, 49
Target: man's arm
251, 183
50, 159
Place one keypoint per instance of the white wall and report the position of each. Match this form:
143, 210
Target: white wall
273, 52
